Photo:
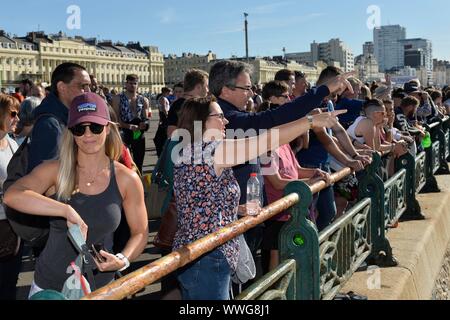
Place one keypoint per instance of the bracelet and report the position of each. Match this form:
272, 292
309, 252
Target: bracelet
124, 259
311, 122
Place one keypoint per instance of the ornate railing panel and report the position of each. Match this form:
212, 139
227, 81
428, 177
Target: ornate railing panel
395, 197
447, 144
343, 247
421, 179
274, 285
436, 156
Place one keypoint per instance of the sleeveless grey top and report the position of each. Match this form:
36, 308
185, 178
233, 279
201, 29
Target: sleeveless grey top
102, 214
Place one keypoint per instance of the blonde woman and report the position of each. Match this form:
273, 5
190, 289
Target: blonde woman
88, 187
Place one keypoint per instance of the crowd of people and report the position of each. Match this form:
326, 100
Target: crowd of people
86, 148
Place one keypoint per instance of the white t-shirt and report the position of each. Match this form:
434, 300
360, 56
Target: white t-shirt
5, 157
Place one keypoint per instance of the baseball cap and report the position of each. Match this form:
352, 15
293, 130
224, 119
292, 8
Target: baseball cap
88, 107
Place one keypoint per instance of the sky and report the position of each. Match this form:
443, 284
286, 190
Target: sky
198, 26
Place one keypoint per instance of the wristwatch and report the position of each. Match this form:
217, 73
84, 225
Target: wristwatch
311, 122
124, 259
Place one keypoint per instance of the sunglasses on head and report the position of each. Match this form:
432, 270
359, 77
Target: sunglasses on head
80, 129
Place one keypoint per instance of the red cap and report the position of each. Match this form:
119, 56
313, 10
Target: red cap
88, 107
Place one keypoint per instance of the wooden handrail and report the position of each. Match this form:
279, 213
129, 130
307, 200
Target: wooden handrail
335, 177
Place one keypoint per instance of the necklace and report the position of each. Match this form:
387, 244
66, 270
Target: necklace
91, 182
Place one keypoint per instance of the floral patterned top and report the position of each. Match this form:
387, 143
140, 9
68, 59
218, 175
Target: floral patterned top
205, 202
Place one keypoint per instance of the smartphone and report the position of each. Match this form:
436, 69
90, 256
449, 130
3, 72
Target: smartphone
96, 248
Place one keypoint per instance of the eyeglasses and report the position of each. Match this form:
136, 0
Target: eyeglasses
243, 88
221, 116
79, 130
14, 114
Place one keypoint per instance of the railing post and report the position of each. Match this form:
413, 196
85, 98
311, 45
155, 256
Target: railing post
408, 162
299, 240
371, 186
440, 135
446, 129
431, 185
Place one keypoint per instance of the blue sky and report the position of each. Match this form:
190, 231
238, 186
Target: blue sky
177, 26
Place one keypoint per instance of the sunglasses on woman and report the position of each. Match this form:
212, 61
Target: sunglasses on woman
79, 130
14, 114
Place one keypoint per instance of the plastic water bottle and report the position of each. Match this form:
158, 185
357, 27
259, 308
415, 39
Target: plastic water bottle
253, 195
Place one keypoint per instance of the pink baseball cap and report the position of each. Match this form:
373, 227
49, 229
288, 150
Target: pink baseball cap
89, 107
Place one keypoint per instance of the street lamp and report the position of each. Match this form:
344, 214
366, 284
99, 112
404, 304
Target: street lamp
246, 36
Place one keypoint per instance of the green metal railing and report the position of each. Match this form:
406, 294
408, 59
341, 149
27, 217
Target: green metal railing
420, 172
316, 266
274, 285
395, 197
432, 153
433, 158
371, 186
446, 139
344, 246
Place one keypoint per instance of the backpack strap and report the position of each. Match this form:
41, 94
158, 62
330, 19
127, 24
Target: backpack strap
158, 174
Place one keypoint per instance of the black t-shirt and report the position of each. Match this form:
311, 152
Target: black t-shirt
172, 118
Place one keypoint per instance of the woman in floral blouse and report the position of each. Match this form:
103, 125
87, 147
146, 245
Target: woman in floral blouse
207, 193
